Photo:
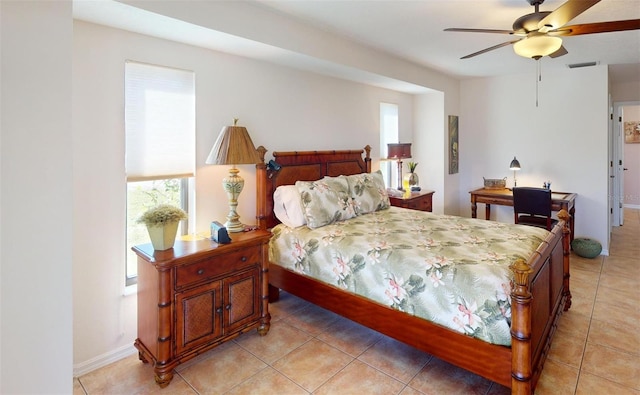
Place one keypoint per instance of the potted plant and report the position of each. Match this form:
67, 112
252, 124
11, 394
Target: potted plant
412, 176
162, 224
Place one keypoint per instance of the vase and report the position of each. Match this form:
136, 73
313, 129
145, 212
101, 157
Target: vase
413, 179
163, 236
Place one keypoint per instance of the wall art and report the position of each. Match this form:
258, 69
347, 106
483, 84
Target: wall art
453, 144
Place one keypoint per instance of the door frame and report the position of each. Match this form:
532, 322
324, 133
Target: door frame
617, 143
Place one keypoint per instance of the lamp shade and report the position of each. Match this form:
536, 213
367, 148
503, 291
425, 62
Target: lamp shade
398, 150
515, 165
537, 46
233, 147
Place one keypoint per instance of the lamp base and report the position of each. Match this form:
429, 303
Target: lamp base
400, 188
234, 226
233, 185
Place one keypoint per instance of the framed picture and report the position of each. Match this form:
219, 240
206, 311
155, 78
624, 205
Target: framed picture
632, 132
453, 144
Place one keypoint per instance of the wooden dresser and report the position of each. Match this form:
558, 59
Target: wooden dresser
417, 201
197, 295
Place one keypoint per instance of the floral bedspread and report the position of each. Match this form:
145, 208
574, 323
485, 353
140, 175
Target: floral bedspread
450, 270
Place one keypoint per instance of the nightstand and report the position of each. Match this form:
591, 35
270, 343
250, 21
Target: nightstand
198, 295
417, 201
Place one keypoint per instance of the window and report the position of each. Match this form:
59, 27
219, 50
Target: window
388, 134
141, 195
160, 146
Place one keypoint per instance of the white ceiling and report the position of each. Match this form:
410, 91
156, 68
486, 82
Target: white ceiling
412, 30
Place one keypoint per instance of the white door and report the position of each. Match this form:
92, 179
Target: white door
611, 156
620, 164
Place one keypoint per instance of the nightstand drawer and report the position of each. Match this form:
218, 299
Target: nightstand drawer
416, 201
419, 204
226, 263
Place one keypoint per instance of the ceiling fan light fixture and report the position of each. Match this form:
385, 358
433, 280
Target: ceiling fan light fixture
537, 46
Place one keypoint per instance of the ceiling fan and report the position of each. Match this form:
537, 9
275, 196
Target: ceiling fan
540, 30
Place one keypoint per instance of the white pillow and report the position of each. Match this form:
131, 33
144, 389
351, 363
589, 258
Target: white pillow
287, 206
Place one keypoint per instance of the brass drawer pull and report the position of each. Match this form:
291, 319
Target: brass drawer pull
200, 271
243, 259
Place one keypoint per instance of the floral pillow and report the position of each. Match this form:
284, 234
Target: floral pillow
368, 192
325, 201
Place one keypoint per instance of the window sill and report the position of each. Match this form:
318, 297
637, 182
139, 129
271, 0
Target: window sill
130, 290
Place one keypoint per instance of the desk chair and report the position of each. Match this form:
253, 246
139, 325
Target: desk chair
532, 206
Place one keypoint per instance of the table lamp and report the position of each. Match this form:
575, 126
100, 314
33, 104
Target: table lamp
233, 147
399, 151
515, 166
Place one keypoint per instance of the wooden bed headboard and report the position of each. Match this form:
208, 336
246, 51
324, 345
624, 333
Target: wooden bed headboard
292, 166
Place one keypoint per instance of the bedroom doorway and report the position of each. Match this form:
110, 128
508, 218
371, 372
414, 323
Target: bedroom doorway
620, 168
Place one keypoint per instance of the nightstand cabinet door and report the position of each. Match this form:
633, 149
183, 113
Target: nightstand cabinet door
242, 301
198, 316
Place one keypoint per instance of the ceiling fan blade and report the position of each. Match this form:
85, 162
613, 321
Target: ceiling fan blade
560, 52
563, 14
489, 49
455, 29
599, 27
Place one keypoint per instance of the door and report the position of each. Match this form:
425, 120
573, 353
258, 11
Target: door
611, 156
242, 298
198, 316
620, 164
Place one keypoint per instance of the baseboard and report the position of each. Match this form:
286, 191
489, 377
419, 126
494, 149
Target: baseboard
634, 206
103, 360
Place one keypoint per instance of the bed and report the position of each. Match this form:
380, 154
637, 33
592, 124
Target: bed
539, 283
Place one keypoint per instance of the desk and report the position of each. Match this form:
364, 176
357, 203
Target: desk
504, 197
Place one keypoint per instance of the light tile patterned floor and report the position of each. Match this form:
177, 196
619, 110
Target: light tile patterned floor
310, 350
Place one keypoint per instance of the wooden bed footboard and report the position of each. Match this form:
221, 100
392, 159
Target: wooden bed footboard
540, 293
540, 290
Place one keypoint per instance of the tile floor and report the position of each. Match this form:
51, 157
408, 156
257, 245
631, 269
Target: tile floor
309, 350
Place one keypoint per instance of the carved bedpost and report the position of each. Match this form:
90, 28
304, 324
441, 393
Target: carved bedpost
367, 158
521, 352
563, 215
261, 189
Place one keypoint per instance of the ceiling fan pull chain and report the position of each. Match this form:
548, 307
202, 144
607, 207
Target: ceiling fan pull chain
539, 70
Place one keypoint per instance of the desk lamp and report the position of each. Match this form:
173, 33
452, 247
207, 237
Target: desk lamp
233, 147
515, 166
399, 151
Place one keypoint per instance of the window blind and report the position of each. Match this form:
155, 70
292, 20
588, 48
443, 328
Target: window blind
159, 122
388, 134
388, 126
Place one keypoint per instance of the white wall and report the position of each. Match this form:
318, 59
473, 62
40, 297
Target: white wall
563, 140
625, 91
36, 198
428, 149
283, 109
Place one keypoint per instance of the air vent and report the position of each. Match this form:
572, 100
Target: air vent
578, 65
